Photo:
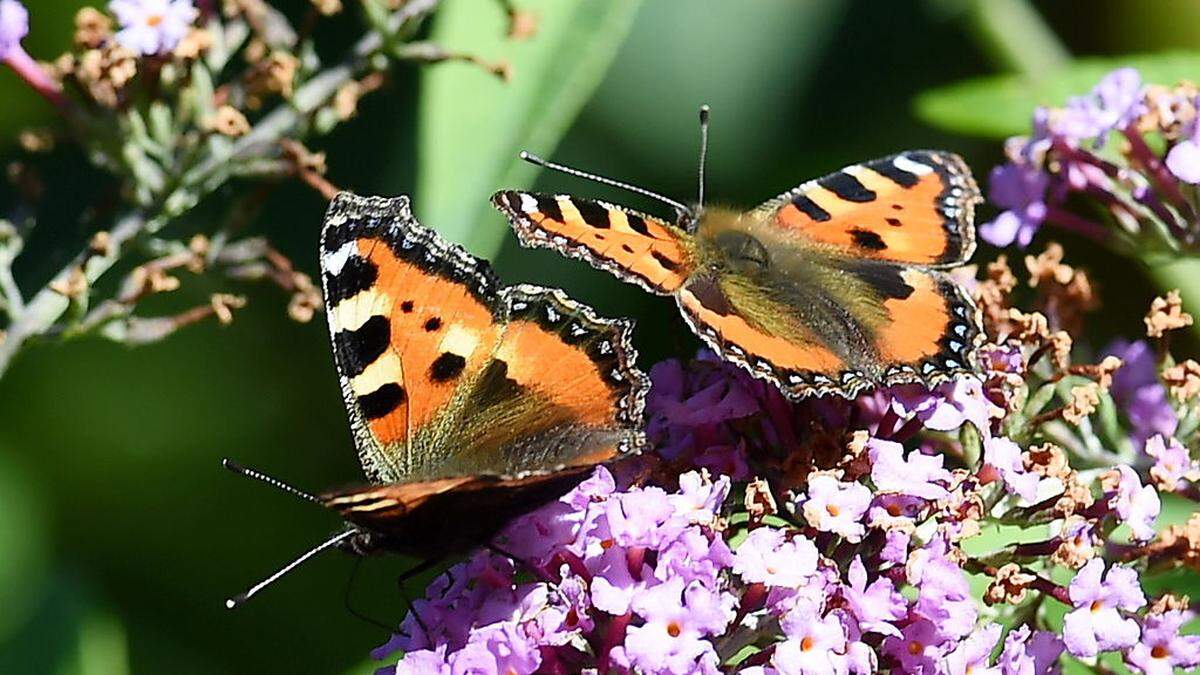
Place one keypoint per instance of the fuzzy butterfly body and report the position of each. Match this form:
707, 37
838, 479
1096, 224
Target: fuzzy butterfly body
469, 402
834, 287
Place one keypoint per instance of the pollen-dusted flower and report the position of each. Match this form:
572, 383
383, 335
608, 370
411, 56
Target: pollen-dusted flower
1097, 624
770, 556
151, 27
831, 505
1162, 649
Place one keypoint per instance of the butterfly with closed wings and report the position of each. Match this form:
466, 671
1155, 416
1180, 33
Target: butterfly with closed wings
469, 403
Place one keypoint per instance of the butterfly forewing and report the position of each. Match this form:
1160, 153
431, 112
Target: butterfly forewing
915, 207
636, 247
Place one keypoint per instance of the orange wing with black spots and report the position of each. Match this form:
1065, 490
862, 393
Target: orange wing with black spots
445, 374
636, 247
915, 207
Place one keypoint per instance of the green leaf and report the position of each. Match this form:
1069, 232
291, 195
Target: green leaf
471, 125
1000, 106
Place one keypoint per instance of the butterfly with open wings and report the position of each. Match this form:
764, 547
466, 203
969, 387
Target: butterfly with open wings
834, 287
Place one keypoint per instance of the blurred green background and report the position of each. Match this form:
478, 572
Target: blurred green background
120, 535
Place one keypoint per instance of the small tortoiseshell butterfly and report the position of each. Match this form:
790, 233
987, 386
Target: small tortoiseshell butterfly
833, 287
469, 403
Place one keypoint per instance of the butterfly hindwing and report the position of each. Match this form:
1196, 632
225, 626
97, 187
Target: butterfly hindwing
915, 207
636, 247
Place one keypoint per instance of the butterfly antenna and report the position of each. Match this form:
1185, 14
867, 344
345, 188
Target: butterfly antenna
703, 152
241, 598
680, 209
273, 482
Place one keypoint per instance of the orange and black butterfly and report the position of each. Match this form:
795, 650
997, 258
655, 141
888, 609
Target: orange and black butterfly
469, 403
834, 287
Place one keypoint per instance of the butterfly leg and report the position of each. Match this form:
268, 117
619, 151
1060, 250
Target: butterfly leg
405, 577
350, 607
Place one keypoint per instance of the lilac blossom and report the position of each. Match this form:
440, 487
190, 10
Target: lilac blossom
151, 27
1183, 159
1162, 649
918, 474
14, 26
1028, 652
1111, 105
1097, 624
1139, 393
1004, 456
947, 406
1173, 465
770, 556
972, 655
876, 607
677, 621
815, 645
834, 506
1019, 189
1136, 505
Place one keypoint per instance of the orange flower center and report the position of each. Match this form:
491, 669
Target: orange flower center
673, 629
154, 19
806, 644
893, 509
1097, 605
915, 648
607, 544
833, 510
1160, 652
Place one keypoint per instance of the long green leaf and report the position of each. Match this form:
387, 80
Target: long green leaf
995, 107
471, 126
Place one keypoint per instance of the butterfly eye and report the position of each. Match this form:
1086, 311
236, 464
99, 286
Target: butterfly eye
743, 252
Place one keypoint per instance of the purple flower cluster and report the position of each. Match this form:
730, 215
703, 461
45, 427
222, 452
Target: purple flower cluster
852, 564
1137, 188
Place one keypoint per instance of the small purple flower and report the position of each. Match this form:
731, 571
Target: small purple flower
14, 26
834, 506
1183, 160
1136, 505
1162, 649
947, 406
815, 645
1004, 456
1020, 189
1096, 624
895, 546
769, 556
943, 593
423, 662
917, 475
1112, 104
973, 653
1030, 653
151, 27
1138, 392
678, 619
498, 648
875, 607
918, 649
700, 498
1173, 466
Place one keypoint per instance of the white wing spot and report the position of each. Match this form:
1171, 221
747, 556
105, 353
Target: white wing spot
905, 164
334, 262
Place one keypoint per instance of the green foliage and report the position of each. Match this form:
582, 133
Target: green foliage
1000, 105
471, 125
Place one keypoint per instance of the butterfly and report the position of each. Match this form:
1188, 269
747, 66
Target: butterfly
469, 403
834, 287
